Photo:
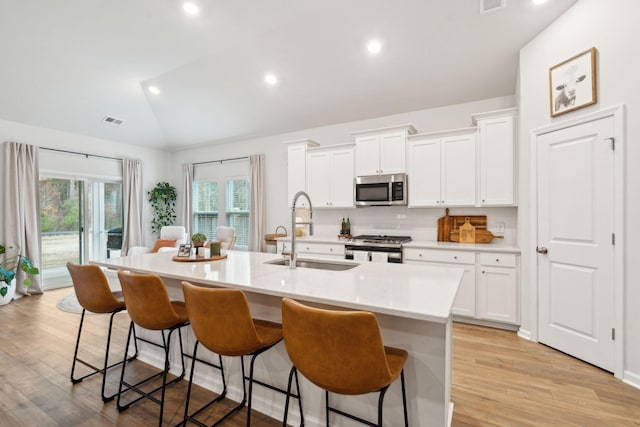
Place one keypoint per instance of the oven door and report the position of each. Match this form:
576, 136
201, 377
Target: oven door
373, 254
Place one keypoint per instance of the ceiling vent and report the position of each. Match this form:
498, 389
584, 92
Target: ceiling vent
487, 6
112, 120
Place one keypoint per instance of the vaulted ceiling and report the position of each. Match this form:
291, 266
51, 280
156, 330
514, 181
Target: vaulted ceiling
68, 64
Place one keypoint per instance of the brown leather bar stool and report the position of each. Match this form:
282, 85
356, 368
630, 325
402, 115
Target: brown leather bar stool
221, 321
341, 352
94, 295
149, 306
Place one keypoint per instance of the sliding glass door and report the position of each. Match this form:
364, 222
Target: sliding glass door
75, 216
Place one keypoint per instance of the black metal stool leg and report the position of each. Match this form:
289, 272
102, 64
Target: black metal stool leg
191, 418
404, 399
124, 365
75, 353
326, 406
292, 373
380, 404
299, 398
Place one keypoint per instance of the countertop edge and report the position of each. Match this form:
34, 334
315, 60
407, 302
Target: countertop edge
471, 247
421, 244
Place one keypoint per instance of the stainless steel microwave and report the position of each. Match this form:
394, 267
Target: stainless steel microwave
381, 190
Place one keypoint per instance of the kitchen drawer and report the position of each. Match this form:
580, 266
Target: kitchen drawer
319, 248
498, 260
456, 257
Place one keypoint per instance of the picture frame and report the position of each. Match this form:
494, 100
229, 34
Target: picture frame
184, 250
573, 84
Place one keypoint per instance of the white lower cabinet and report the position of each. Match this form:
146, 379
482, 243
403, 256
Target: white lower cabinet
465, 302
324, 249
497, 288
489, 287
313, 249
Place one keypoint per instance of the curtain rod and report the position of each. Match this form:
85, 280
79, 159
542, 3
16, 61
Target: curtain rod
81, 154
220, 161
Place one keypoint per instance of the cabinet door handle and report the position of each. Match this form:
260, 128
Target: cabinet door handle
420, 255
497, 259
455, 257
542, 250
482, 271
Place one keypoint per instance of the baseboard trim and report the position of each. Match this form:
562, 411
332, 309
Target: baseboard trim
524, 334
487, 323
632, 379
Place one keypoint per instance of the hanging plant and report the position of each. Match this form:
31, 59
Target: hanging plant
163, 201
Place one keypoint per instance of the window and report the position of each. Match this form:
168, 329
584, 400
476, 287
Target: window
221, 197
237, 208
205, 208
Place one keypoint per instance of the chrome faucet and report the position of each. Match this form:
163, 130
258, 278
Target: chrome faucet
292, 260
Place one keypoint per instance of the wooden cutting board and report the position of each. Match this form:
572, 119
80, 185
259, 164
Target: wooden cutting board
444, 227
467, 232
478, 221
449, 223
482, 236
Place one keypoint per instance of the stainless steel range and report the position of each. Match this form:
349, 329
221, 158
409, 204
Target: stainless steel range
376, 248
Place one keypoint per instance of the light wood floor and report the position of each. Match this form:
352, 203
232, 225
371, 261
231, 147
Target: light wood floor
498, 378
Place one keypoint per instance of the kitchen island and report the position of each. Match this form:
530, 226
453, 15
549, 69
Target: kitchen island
413, 305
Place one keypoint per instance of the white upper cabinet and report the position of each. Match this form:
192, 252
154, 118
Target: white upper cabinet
330, 176
442, 168
496, 133
382, 151
424, 172
458, 174
297, 168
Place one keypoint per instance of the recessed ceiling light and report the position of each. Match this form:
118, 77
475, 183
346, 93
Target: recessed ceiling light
539, 1
271, 79
191, 8
374, 46
154, 90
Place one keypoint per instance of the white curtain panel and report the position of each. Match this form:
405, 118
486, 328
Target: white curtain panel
258, 203
132, 195
187, 191
22, 208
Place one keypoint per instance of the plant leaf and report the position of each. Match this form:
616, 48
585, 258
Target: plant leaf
27, 266
7, 276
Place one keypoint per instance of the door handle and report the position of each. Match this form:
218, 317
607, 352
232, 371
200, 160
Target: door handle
542, 250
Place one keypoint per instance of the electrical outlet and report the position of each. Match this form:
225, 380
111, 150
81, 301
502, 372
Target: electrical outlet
500, 227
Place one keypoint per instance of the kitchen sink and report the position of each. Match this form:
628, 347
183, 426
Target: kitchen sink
317, 264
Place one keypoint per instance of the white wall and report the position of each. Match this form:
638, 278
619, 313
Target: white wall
154, 162
419, 223
611, 27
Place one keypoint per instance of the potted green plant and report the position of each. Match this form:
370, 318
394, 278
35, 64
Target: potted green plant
198, 239
10, 260
163, 202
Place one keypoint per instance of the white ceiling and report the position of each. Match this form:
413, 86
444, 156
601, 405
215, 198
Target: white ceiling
67, 64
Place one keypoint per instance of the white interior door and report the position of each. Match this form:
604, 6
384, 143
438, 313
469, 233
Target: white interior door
575, 238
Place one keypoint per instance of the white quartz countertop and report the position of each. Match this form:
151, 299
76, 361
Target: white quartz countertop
495, 246
314, 239
405, 290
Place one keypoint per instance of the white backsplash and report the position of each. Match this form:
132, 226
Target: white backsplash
419, 223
